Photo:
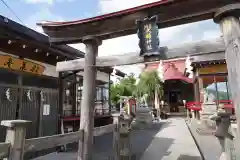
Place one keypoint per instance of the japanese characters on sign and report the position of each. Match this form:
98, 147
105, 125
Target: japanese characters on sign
148, 36
20, 65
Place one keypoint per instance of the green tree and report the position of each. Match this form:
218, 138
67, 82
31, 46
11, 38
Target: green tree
149, 83
125, 87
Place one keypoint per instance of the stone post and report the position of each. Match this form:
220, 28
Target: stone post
88, 99
116, 136
16, 131
193, 115
223, 122
228, 18
125, 138
187, 114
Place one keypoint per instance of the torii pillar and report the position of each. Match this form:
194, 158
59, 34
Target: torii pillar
228, 18
88, 102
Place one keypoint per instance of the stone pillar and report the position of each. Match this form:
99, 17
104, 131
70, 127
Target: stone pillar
223, 123
116, 136
16, 131
193, 115
88, 99
125, 138
228, 18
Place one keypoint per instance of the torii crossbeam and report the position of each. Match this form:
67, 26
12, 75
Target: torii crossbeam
202, 47
170, 13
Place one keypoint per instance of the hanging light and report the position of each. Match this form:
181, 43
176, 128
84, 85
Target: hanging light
47, 54
36, 50
24, 46
9, 41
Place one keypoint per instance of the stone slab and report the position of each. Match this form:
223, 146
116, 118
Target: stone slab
173, 142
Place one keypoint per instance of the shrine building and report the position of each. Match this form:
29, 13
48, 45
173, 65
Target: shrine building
208, 83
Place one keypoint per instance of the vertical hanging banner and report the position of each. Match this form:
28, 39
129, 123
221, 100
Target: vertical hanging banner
148, 36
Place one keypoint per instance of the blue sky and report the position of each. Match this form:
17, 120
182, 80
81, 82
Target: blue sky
32, 11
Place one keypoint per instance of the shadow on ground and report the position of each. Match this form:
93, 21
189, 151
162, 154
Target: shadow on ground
103, 150
141, 139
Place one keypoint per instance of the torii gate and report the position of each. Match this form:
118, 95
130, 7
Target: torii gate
171, 13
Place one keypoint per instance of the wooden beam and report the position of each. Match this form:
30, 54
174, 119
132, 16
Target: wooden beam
38, 144
202, 47
98, 131
4, 150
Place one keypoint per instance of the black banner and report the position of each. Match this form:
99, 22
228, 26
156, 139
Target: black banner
148, 36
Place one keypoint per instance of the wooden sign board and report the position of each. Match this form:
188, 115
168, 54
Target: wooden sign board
217, 68
20, 65
148, 36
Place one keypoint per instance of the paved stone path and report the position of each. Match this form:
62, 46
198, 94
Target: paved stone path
208, 143
167, 140
174, 142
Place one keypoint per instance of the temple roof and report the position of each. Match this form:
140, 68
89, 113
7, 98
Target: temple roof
170, 13
173, 73
172, 70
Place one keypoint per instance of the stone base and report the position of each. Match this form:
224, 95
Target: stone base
141, 125
209, 123
142, 120
205, 119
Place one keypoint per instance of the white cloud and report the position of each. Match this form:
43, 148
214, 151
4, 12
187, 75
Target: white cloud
168, 37
211, 34
107, 6
79, 46
44, 14
50, 2
40, 1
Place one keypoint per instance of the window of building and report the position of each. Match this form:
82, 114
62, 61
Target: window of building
209, 89
222, 89
215, 88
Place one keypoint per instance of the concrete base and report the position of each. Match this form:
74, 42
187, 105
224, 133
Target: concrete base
143, 119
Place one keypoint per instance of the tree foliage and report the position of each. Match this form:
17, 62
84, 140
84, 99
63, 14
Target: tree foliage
149, 82
125, 87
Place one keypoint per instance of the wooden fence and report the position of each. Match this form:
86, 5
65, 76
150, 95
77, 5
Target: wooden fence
16, 145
